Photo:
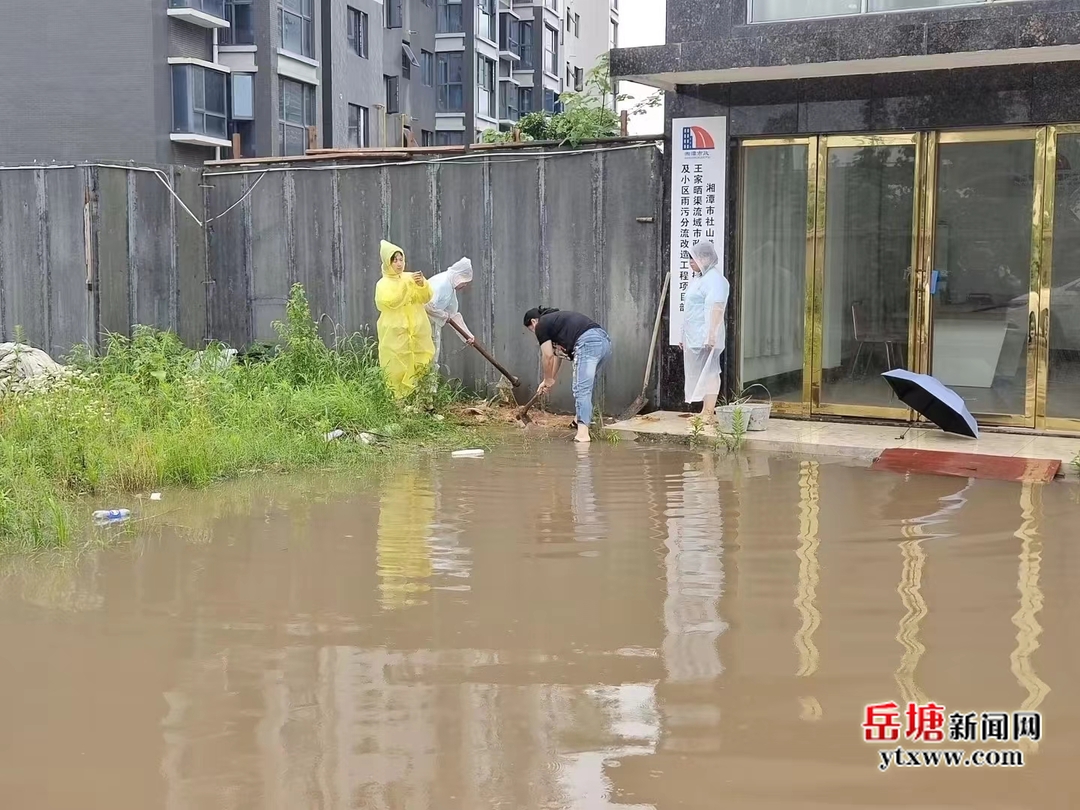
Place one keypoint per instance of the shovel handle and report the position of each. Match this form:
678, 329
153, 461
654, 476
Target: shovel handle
514, 381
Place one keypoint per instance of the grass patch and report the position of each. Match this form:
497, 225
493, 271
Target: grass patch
148, 413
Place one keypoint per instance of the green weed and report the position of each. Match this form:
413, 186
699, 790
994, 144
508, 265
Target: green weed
147, 413
733, 441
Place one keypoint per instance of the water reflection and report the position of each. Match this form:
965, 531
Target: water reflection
393, 644
694, 574
809, 577
406, 514
915, 529
1031, 598
586, 516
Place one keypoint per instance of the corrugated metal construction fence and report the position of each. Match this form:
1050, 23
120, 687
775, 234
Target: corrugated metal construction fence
212, 254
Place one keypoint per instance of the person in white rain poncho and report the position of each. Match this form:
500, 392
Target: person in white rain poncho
704, 335
443, 305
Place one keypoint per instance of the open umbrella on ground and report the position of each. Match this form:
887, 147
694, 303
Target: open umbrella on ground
928, 396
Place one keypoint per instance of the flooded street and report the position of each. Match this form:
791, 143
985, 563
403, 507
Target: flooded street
556, 627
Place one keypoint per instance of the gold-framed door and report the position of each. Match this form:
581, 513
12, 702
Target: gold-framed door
867, 272
954, 235
983, 253
1057, 398
777, 205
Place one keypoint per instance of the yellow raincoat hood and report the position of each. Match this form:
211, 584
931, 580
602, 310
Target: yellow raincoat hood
386, 252
406, 350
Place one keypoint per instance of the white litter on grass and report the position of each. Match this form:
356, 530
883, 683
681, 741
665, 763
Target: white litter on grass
155, 496
367, 438
334, 434
467, 454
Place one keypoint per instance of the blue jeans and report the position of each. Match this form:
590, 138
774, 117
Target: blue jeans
592, 349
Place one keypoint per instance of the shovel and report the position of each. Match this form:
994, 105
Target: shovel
638, 404
514, 381
523, 413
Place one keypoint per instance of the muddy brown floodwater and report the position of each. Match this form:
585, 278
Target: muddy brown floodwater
611, 626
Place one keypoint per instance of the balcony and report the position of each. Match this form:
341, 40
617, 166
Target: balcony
241, 31
509, 38
200, 112
203, 13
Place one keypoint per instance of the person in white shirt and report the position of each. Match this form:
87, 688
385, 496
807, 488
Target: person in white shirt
443, 305
703, 334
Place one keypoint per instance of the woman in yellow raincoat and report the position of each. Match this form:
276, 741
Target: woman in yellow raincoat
406, 350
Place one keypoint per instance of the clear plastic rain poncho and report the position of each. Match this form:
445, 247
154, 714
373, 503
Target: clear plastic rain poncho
704, 335
405, 347
443, 305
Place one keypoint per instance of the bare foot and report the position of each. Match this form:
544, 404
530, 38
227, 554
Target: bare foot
582, 434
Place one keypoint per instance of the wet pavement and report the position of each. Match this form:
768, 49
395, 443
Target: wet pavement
628, 626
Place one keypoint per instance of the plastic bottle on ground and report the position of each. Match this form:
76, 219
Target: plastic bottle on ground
111, 515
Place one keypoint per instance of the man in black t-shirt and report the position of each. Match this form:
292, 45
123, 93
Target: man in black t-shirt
582, 340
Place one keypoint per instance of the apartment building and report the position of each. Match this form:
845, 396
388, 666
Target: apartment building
510, 58
181, 81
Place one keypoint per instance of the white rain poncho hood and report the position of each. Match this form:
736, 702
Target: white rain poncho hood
704, 253
444, 300
704, 335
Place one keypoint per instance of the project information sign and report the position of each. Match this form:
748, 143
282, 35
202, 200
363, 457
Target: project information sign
698, 194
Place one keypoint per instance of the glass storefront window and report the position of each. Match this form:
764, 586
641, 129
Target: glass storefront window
773, 269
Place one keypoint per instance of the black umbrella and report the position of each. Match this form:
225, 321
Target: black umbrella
928, 396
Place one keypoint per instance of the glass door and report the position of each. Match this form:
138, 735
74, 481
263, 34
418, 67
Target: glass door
983, 287
866, 272
776, 260
1058, 393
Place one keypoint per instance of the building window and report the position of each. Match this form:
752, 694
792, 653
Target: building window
392, 104
215, 8
777, 10
486, 20
614, 34
449, 138
577, 25
427, 68
569, 77
525, 100
579, 79
525, 35
393, 13
551, 50
508, 35
427, 137
552, 4
449, 67
408, 60
449, 17
508, 102
296, 112
485, 87
358, 32
199, 101
241, 17
243, 96
568, 17
549, 100
296, 26
358, 127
